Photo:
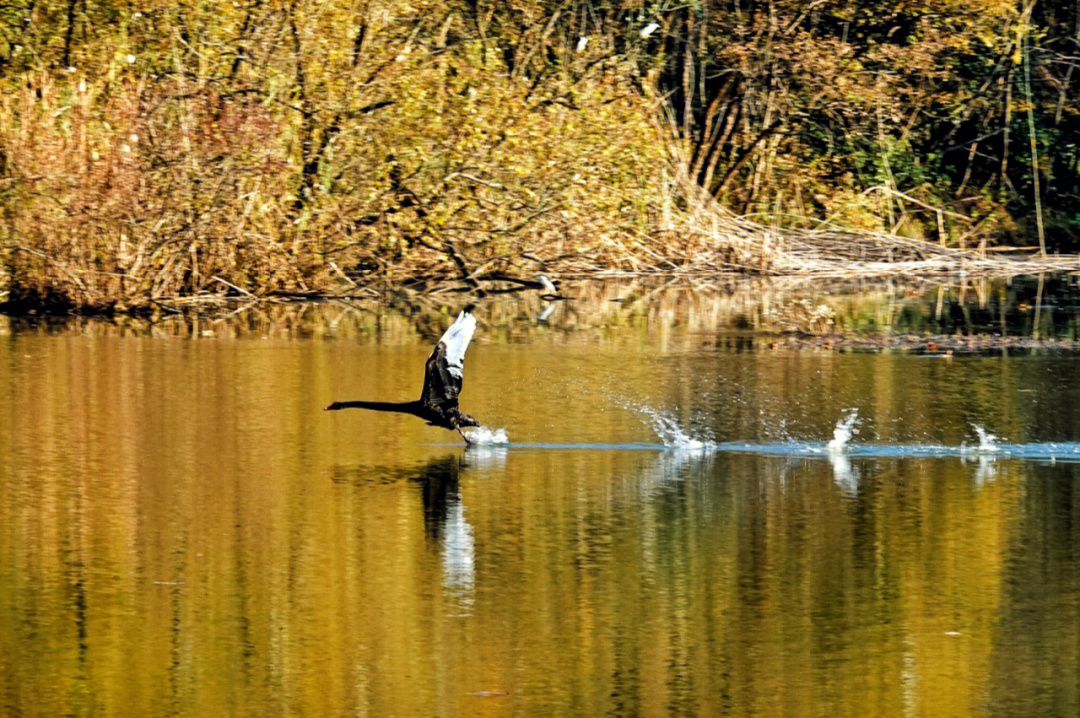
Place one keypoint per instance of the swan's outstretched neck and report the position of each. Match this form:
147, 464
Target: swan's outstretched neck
403, 407
438, 404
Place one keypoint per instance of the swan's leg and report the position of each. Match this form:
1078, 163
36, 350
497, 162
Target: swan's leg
462, 433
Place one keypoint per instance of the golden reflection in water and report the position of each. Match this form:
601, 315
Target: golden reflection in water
183, 531
781, 310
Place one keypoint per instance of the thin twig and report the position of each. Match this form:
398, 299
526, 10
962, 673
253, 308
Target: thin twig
230, 284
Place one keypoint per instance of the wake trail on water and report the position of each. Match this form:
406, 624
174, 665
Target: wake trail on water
673, 436
676, 438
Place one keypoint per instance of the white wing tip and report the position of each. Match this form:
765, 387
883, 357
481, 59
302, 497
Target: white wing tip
457, 337
465, 319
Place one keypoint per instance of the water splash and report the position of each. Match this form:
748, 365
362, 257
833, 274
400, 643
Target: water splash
669, 431
844, 430
486, 436
987, 442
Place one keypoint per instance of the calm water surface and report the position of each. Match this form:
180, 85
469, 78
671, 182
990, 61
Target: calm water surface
184, 532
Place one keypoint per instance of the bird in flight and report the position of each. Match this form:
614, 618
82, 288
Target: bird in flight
438, 403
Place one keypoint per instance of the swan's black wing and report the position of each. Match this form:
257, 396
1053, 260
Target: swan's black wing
443, 372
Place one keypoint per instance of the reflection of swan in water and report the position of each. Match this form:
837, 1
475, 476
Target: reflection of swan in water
445, 523
438, 481
458, 552
438, 402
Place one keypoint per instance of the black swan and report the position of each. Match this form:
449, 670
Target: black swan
438, 403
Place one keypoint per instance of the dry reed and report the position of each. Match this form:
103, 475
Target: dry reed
159, 197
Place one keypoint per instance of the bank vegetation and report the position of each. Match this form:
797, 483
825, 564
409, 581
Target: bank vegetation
157, 153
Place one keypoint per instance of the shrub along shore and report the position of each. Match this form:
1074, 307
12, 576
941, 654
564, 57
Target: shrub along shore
164, 154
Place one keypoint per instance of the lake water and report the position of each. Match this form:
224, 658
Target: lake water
184, 531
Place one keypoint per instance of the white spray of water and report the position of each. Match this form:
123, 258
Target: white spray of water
844, 430
484, 435
669, 431
987, 441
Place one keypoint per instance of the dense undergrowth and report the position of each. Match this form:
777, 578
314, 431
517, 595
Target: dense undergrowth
161, 151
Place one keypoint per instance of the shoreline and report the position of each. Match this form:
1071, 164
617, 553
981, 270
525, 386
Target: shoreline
948, 317
950, 266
